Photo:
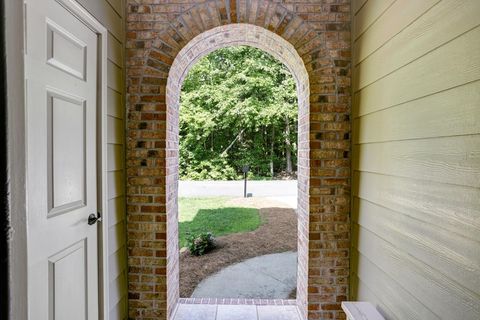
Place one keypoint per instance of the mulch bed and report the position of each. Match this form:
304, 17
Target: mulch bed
278, 233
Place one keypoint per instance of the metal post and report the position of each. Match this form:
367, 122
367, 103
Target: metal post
245, 172
245, 185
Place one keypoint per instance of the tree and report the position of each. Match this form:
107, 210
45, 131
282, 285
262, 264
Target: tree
233, 103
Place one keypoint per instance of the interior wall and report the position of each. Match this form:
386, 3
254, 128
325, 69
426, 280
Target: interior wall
111, 13
416, 158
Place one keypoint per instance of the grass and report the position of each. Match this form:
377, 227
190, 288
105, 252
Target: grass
212, 215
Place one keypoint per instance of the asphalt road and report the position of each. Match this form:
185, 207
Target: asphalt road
273, 188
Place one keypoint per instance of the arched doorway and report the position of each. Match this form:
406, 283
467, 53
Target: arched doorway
203, 44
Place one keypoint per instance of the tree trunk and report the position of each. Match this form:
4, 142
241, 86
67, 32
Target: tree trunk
288, 146
272, 151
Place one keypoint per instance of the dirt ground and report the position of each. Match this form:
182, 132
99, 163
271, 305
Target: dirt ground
278, 233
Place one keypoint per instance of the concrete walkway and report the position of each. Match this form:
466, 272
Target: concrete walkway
235, 312
272, 276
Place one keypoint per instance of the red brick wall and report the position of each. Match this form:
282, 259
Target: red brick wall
159, 41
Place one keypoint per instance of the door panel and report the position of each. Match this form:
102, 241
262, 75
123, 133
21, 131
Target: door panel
65, 51
61, 82
67, 282
66, 152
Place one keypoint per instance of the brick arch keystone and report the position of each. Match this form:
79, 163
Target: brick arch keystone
158, 59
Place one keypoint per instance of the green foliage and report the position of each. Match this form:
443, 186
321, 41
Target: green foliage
212, 169
202, 215
199, 244
238, 106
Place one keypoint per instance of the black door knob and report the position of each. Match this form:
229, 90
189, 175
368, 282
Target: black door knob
92, 218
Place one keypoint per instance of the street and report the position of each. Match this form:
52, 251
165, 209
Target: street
272, 188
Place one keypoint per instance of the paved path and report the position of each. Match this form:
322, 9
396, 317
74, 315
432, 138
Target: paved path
272, 276
272, 188
235, 312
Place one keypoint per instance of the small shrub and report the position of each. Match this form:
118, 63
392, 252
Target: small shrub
200, 243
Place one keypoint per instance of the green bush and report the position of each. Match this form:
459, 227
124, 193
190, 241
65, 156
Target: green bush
210, 169
200, 243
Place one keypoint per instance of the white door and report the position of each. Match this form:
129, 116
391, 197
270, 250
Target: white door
61, 83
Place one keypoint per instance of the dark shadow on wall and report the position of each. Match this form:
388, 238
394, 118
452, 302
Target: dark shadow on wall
4, 217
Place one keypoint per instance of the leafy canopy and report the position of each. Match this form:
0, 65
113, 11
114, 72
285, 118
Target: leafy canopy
238, 106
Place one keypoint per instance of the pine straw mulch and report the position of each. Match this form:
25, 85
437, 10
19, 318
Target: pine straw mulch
277, 233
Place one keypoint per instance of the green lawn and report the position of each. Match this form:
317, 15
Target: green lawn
211, 215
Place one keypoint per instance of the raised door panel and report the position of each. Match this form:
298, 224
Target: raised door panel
68, 283
66, 151
65, 51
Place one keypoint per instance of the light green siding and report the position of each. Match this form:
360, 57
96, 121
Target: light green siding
416, 158
111, 13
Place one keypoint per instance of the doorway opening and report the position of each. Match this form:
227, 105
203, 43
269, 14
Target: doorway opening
199, 47
237, 170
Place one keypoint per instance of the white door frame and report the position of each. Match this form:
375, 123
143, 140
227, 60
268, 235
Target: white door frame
16, 123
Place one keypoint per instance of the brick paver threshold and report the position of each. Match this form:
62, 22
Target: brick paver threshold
238, 301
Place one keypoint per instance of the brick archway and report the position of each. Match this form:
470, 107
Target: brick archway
201, 45
316, 53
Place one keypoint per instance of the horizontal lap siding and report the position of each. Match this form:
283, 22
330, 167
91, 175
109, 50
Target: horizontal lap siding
111, 14
416, 158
